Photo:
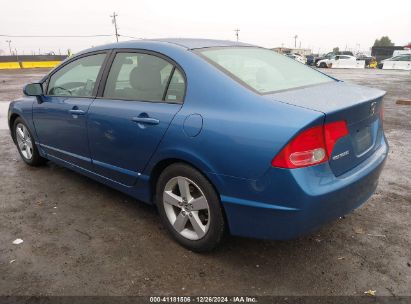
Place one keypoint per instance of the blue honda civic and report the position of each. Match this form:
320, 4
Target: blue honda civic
223, 137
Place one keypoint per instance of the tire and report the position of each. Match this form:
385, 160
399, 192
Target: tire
25, 144
323, 65
195, 220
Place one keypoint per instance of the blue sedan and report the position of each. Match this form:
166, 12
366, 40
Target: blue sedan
221, 136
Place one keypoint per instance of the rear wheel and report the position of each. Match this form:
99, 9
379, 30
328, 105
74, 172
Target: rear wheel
323, 65
25, 144
190, 208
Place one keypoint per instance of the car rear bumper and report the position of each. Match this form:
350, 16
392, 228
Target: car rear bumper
285, 204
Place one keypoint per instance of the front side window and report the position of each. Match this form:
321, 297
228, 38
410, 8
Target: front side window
78, 78
263, 70
144, 77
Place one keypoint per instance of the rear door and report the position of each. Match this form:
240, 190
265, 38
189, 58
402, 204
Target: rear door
140, 95
60, 117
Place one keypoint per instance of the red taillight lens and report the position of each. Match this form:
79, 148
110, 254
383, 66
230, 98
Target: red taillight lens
307, 149
311, 147
333, 131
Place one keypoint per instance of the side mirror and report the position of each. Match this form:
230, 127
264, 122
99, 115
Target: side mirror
33, 89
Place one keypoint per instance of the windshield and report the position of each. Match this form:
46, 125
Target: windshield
263, 70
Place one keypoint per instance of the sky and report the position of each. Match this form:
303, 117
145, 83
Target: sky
320, 25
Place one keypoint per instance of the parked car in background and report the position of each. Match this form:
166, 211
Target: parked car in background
393, 58
297, 57
341, 61
401, 62
326, 56
331, 55
220, 136
310, 59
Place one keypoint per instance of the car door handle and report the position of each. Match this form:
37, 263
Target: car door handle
77, 112
146, 120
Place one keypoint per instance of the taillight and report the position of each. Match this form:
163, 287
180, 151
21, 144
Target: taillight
311, 147
333, 131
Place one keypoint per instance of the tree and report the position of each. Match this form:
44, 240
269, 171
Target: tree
336, 50
384, 41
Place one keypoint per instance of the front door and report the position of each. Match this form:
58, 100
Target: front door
60, 118
142, 94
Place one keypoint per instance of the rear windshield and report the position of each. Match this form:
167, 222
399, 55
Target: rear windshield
263, 70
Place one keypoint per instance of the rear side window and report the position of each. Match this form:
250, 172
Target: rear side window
77, 78
263, 70
144, 77
176, 88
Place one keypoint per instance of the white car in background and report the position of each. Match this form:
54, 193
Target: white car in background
341, 62
297, 57
401, 62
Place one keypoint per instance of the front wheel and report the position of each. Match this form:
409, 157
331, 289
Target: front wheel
25, 144
190, 208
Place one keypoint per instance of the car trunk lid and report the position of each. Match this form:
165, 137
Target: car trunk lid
359, 106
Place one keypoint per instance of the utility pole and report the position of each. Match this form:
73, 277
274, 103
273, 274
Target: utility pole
236, 33
114, 21
295, 41
9, 42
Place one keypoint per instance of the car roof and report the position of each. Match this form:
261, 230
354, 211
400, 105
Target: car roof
186, 43
196, 43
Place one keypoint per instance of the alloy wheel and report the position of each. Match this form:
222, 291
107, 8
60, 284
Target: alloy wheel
24, 141
186, 208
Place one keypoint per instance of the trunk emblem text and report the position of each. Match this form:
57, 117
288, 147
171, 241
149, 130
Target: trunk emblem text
338, 156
